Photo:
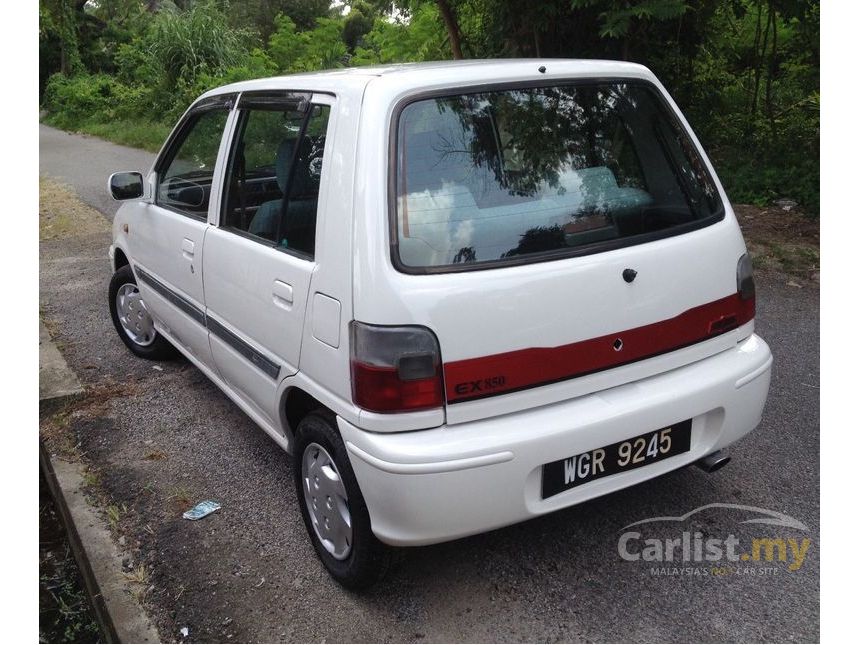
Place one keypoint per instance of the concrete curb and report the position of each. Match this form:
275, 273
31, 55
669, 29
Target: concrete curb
57, 382
119, 614
121, 617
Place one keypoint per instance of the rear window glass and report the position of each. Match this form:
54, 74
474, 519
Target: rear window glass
502, 176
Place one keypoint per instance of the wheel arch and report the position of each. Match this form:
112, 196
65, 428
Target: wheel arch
120, 259
295, 404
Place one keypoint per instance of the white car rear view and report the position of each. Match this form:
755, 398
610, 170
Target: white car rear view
460, 294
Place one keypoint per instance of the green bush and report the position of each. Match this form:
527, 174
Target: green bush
90, 97
185, 44
136, 133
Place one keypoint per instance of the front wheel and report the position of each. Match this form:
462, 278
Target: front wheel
133, 321
333, 507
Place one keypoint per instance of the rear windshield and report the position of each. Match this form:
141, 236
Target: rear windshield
527, 174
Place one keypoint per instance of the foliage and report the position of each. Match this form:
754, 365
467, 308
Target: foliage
135, 133
90, 97
259, 15
423, 38
304, 51
186, 44
357, 24
745, 72
619, 17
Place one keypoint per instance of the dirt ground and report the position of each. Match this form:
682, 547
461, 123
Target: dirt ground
780, 240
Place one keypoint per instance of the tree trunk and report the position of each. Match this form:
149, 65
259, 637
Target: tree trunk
761, 63
771, 68
450, 21
70, 58
756, 67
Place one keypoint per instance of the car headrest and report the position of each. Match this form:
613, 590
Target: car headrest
305, 181
283, 158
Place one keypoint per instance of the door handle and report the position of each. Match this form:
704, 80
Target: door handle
188, 249
282, 294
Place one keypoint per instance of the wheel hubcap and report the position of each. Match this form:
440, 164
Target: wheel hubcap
326, 501
133, 316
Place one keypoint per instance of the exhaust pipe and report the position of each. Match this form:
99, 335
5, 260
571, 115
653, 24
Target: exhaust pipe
713, 462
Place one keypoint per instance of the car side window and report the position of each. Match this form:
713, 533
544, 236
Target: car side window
185, 174
273, 180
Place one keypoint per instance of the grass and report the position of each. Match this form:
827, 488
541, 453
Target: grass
114, 515
139, 577
65, 614
179, 498
792, 259
148, 135
63, 215
786, 242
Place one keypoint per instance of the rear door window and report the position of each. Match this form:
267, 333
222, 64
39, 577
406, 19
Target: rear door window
498, 177
273, 180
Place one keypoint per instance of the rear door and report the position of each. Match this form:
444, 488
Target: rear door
259, 260
166, 236
558, 240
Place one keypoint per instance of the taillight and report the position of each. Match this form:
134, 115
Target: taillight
746, 284
395, 369
746, 290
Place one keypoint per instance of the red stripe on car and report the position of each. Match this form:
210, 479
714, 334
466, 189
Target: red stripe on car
475, 378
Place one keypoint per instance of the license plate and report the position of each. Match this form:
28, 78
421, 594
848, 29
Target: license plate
636, 452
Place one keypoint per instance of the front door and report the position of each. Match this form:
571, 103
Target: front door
258, 262
166, 235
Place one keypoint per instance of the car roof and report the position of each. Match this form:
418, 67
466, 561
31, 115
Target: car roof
415, 76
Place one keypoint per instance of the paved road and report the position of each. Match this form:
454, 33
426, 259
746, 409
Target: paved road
85, 163
162, 438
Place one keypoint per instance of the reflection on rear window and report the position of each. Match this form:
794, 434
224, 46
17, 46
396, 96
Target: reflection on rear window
499, 176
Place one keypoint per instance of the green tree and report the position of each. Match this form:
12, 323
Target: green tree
421, 38
358, 23
59, 21
261, 15
322, 47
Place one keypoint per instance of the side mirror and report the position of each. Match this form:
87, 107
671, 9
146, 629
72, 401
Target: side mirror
125, 185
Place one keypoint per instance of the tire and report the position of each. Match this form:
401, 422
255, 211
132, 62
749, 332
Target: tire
154, 347
368, 560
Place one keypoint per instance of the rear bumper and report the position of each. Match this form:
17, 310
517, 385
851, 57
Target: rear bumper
435, 485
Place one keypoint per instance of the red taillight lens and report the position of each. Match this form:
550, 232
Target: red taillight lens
395, 369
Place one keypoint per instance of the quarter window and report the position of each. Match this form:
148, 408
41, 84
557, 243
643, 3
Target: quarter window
185, 178
273, 181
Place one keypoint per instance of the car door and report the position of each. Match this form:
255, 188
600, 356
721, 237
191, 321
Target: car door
259, 260
166, 237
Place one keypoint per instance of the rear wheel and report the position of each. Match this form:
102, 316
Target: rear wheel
133, 321
333, 507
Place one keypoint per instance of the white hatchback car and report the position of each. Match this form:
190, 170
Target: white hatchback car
460, 294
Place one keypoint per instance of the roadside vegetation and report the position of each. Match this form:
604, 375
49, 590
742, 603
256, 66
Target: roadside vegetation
745, 72
65, 615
